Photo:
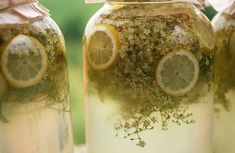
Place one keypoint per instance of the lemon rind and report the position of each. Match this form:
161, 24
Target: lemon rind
3, 87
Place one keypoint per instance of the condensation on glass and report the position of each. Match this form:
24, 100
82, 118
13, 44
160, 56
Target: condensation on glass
149, 77
224, 111
34, 99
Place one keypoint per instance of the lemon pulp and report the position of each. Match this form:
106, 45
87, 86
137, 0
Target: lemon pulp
177, 72
103, 44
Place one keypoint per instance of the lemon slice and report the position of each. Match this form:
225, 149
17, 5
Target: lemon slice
177, 72
3, 85
102, 48
24, 61
204, 31
232, 44
117, 6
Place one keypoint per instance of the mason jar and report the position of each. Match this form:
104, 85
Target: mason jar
148, 73
224, 120
34, 98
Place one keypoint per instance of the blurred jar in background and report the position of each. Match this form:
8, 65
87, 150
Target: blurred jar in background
34, 99
224, 121
149, 70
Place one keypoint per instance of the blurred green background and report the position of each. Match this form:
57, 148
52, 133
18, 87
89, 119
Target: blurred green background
72, 16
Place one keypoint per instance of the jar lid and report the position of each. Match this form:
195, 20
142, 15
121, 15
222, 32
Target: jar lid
19, 10
4, 4
227, 6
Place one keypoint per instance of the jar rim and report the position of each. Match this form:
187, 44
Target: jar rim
198, 2
155, 1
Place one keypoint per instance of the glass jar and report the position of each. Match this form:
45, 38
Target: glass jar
34, 99
224, 120
148, 70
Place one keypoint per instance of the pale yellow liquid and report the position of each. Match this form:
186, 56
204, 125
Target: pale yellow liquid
224, 116
34, 128
184, 138
224, 127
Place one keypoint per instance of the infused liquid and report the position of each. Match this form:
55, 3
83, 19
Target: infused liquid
35, 115
132, 55
224, 116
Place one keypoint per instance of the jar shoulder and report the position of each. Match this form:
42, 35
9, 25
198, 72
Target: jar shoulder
178, 24
40, 23
43, 28
118, 13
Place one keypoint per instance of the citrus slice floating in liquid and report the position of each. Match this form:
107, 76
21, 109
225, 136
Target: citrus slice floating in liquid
102, 48
3, 85
24, 61
204, 31
177, 72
